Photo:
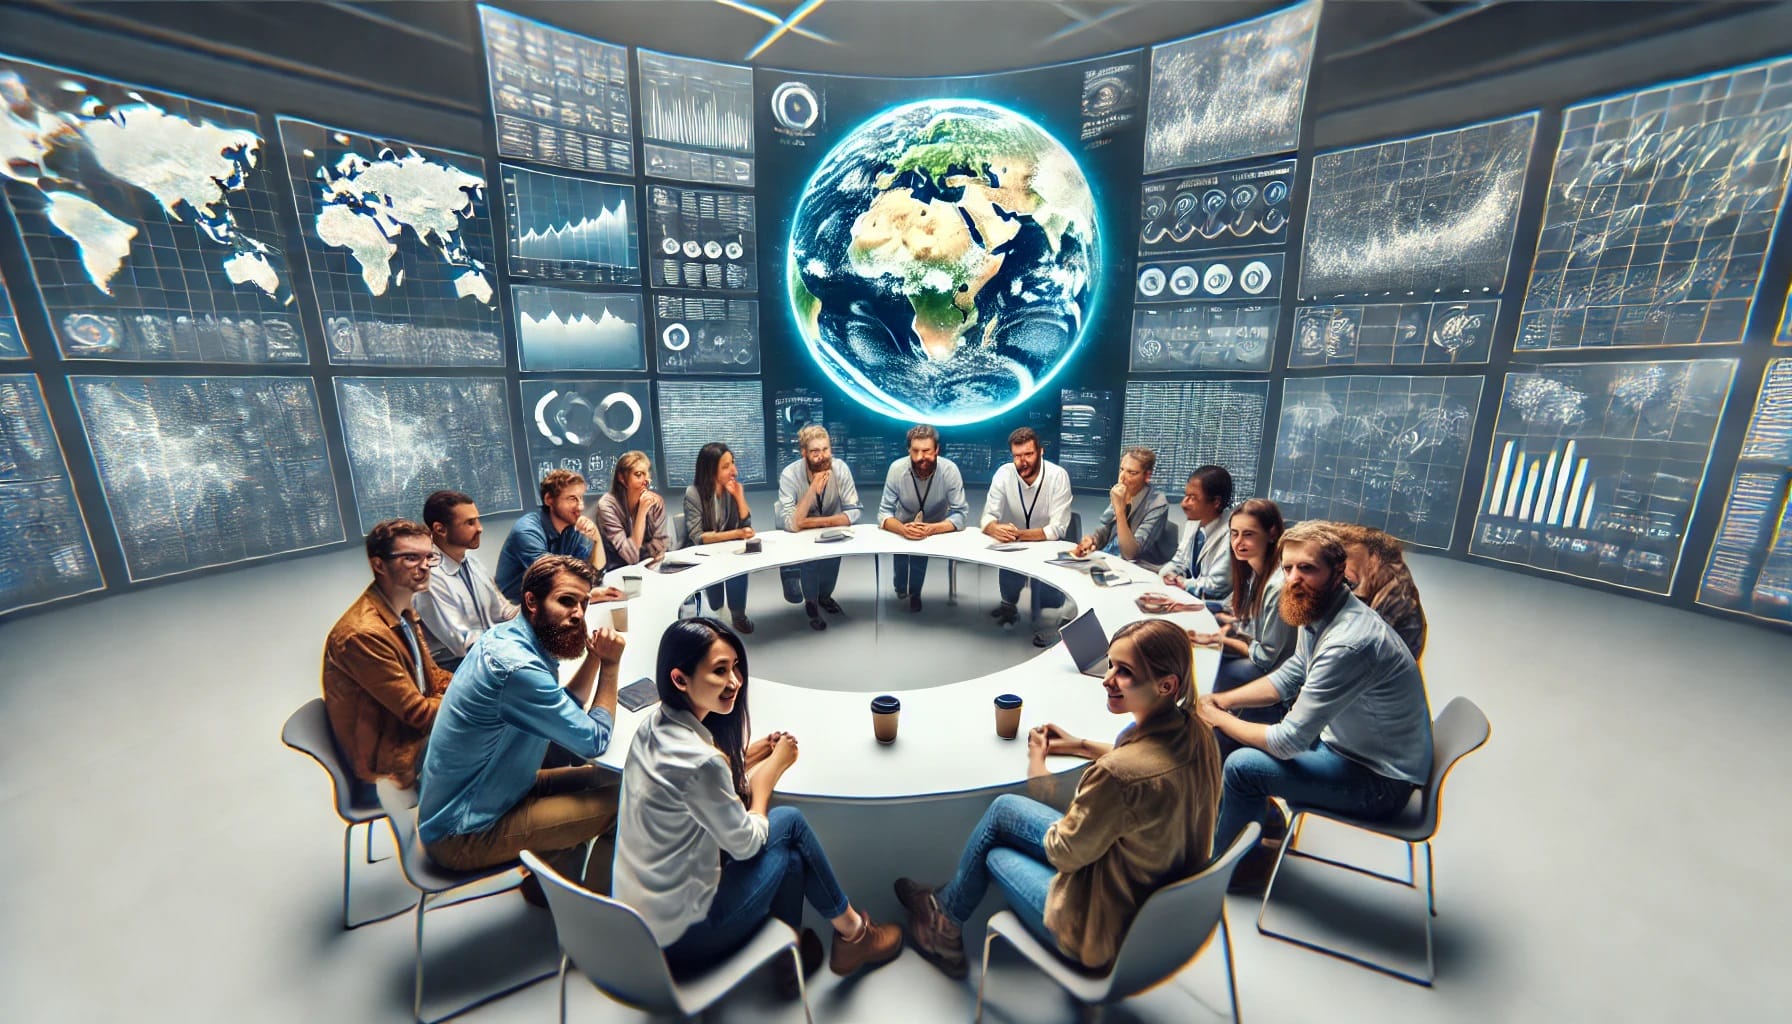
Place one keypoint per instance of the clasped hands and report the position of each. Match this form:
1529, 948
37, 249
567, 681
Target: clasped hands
605, 644
1051, 739
777, 751
1003, 533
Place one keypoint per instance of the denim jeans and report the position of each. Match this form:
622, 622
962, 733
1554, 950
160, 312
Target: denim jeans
911, 573
1320, 777
819, 578
735, 589
1235, 672
1043, 596
771, 883
1009, 846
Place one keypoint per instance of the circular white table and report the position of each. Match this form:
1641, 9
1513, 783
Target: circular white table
946, 744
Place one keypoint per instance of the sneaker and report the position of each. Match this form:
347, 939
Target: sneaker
1045, 638
1251, 877
938, 939
742, 624
809, 948
831, 606
914, 602
875, 945
815, 621
1005, 613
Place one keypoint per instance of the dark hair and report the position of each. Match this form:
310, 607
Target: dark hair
386, 532
1024, 435
1145, 457
709, 466
1247, 583
1163, 647
683, 646
1216, 483
923, 432
625, 464
557, 480
539, 578
439, 507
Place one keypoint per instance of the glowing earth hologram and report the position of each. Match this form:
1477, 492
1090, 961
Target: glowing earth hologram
942, 261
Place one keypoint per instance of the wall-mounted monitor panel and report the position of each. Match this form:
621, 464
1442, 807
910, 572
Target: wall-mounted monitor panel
1595, 468
1088, 435
408, 437
792, 410
1661, 209
12, 340
561, 329
585, 426
1394, 333
1216, 210
150, 219
696, 412
207, 471
563, 228
46, 552
706, 334
1750, 569
1387, 452
696, 119
1191, 423
558, 98
399, 241
702, 238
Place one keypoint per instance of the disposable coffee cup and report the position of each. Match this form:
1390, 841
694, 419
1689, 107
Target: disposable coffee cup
754, 545
631, 586
619, 618
884, 712
1008, 716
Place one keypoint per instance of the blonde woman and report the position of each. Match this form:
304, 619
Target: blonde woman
631, 518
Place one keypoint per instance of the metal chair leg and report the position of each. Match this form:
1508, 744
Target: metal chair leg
1430, 881
1231, 976
348, 864
988, 941
802, 986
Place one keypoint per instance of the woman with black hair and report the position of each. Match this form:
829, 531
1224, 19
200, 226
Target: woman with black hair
700, 853
715, 510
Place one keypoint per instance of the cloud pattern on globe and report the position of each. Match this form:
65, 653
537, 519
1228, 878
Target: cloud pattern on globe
942, 261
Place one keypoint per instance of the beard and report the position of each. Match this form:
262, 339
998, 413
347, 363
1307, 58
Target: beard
565, 641
1301, 606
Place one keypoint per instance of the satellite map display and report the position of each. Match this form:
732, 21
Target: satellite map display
1387, 452
585, 425
1595, 468
1229, 94
1660, 209
696, 119
410, 436
150, 220
204, 471
696, 412
561, 329
571, 229
706, 334
702, 238
1750, 569
45, 551
399, 241
558, 98
1204, 336
12, 342
1394, 334
1216, 210
1191, 423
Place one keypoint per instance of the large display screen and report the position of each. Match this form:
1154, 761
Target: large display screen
45, 551
408, 437
12, 341
1192, 423
558, 98
694, 413
585, 426
1750, 569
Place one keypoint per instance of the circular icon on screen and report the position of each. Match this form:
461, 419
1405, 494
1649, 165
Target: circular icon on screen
669, 246
1275, 192
1274, 220
1155, 206
712, 249
1151, 282
795, 107
1243, 196
1214, 201
626, 402
1217, 279
693, 249
1183, 280
676, 337
1151, 350
1254, 277
735, 250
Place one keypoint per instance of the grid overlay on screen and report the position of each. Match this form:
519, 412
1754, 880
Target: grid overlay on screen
564, 228
696, 412
12, 342
1750, 568
46, 552
1190, 423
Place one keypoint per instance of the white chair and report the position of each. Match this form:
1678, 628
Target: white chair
1459, 730
610, 944
1173, 926
434, 884
308, 731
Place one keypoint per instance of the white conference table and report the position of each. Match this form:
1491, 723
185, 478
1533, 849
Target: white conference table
946, 742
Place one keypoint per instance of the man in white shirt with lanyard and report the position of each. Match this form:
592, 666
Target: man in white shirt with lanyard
923, 495
463, 600
1029, 500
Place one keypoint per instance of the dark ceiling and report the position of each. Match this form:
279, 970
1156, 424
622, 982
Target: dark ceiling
1369, 50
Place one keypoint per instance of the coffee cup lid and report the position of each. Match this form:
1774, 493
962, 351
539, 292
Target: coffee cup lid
1008, 701
885, 704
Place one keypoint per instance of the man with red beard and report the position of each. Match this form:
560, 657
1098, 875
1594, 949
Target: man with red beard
484, 797
1358, 737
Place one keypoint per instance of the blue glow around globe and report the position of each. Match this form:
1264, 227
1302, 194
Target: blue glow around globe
942, 261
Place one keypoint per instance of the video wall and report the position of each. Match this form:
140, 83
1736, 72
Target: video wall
654, 251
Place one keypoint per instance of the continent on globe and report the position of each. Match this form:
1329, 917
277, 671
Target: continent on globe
942, 261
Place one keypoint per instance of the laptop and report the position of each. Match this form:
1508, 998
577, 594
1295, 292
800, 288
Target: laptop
1087, 643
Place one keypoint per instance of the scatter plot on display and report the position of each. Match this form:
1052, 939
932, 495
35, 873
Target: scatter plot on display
1211, 277
12, 340
1111, 94
702, 238
408, 437
1088, 426
696, 119
150, 220
1229, 94
792, 410
1387, 452
1750, 569
571, 229
399, 241
1595, 468
696, 334
1394, 333
561, 329
557, 97
1192, 423
46, 553
1220, 209
1660, 209
696, 412
586, 425
1203, 336
206, 471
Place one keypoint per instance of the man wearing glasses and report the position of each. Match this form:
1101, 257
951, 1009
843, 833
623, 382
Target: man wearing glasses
381, 687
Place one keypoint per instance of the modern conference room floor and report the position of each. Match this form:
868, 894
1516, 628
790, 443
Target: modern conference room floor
1615, 853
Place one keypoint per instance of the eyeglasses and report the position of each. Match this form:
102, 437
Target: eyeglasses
433, 559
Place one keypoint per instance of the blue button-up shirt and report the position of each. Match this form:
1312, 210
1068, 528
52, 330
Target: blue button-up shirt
531, 537
505, 705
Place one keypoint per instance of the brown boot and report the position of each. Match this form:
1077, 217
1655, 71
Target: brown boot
938, 938
875, 945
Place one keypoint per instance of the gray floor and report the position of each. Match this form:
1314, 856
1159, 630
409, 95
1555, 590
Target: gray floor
1614, 854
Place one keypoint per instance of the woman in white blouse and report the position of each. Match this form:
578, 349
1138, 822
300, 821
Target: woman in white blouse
700, 853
